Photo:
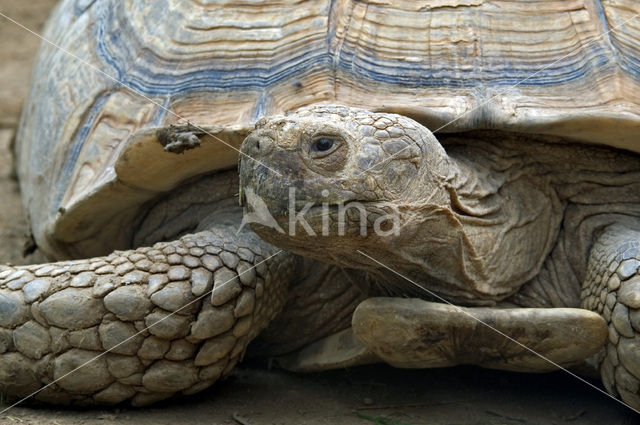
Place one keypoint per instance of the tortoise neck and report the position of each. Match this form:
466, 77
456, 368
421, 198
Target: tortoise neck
481, 229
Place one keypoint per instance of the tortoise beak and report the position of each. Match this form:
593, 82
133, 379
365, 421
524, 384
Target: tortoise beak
259, 170
255, 145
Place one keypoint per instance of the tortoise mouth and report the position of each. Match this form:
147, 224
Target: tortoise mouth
347, 213
329, 232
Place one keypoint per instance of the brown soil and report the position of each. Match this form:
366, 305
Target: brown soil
255, 395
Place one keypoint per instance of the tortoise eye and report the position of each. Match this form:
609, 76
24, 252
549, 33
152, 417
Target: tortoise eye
322, 145
326, 152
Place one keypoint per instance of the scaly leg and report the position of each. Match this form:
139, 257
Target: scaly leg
612, 288
57, 317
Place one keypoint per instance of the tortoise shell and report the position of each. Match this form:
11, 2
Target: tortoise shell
114, 71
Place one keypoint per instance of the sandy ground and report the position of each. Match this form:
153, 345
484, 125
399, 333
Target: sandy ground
255, 395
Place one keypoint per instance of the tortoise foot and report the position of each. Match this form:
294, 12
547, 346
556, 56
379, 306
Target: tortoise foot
413, 333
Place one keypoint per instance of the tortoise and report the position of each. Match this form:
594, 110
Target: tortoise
127, 152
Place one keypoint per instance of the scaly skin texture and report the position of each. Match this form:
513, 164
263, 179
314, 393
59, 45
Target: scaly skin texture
485, 219
55, 317
612, 288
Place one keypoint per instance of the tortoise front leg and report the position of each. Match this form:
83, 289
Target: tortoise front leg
56, 317
612, 288
413, 333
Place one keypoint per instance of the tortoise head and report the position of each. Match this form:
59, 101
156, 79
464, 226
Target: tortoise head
325, 179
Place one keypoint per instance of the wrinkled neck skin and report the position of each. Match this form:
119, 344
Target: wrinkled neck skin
484, 221
476, 226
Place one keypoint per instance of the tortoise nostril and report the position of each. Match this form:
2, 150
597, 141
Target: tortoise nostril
257, 145
260, 146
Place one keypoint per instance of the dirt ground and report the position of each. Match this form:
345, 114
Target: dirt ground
254, 395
